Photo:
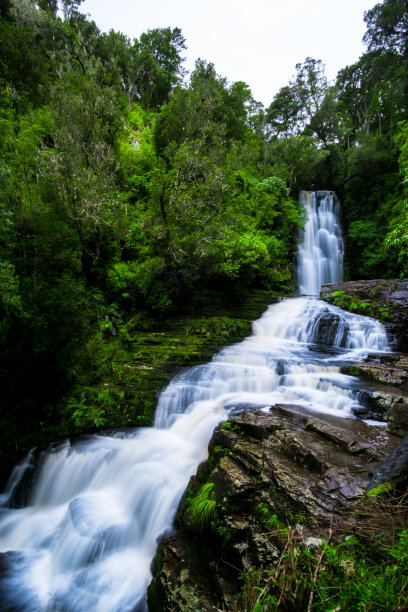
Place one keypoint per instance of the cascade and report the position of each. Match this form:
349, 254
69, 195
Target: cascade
85, 539
320, 258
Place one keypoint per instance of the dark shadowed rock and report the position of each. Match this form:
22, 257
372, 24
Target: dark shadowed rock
181, 583
397, 419
268, 468
393, 472
385, 380
326, 328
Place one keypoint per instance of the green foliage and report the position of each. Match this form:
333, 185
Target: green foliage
397, 237
229, 425
387, 27
360, 578
352, 304
87, 416
271, 520
349, 574
203, 506
366, 307
381, 489
10, 299
297, 159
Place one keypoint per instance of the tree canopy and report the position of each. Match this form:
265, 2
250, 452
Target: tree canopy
126, 184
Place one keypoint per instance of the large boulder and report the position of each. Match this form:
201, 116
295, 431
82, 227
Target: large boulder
397, 419
392, 474
266, 469
325, 329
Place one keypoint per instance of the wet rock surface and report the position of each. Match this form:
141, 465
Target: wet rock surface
397, 419
389, 299
392, 474
326, 329
383, 393
383, 368
182, 582
284, 465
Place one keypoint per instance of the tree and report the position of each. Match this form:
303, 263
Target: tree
158, 65
387, 27
69, 7
283, 113
297, 160
48, 5
371, 92
397, 237
296, 104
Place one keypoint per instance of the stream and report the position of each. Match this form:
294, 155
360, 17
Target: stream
85, 539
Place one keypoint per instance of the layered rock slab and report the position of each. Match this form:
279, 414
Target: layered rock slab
273, 467
385, 393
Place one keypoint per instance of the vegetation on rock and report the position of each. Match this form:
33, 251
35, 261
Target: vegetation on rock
125, 186
131, 195
265, 543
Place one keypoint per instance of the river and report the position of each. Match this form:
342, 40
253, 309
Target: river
86, 537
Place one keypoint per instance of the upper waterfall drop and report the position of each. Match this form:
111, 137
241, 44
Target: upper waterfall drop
321, 247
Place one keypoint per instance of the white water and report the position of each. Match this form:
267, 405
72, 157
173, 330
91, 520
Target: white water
321, 248
86, 539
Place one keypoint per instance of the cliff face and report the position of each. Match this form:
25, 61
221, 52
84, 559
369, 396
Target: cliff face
386, 300
266, 469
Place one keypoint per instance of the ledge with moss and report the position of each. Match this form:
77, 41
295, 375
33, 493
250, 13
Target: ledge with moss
386, 300
126, 362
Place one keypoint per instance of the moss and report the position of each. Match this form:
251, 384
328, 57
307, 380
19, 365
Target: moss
207, 467
131, 357
350, 370
382, 488
230, 425
367, 307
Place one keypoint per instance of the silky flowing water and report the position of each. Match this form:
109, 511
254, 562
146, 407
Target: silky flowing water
86, 538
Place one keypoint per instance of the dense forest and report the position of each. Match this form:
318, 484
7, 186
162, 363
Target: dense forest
128, 186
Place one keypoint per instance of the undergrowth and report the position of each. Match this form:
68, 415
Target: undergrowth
366, 307
359, 562
129, 359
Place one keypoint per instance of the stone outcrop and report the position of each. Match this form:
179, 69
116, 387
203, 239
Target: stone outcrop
326, 328
281, 466
397, 419
385, 393
392, 474
287, 468
383, 368
389, 301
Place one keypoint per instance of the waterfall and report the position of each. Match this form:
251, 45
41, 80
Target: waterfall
86, 537
320, 258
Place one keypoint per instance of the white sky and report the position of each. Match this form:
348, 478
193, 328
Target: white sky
256, 41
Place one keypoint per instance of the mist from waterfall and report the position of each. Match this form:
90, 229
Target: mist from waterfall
86, 537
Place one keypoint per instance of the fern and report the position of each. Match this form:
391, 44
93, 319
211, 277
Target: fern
203, 506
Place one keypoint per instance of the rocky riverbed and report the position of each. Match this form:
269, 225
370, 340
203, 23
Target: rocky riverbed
286, 468
282, 466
